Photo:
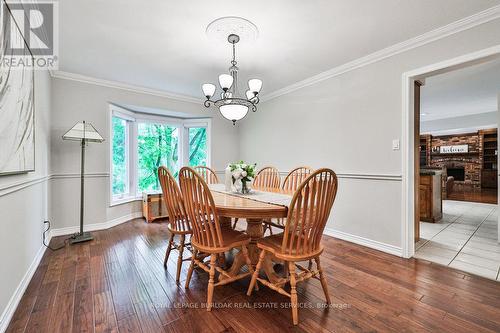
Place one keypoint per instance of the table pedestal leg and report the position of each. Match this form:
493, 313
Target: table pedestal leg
255, 231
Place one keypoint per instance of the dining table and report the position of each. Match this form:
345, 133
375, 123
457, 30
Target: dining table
256, 207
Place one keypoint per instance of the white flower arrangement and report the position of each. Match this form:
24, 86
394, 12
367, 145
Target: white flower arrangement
241, 174
242, 171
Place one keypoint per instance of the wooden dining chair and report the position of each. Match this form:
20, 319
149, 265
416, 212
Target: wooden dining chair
178, 221
296, 177
301, 240
207, 174
291, 183
268, 177
208, 236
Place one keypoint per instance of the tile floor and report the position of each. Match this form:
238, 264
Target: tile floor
466, 239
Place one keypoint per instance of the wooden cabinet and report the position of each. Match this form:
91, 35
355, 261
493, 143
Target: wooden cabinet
431, 209
153, 206
489, 179
489, 157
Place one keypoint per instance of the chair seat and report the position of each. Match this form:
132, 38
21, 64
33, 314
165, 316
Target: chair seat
230, 239
273, 244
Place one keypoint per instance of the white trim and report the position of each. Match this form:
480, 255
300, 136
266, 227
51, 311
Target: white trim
77, 175
367, 176
426, 38
13, 303
11, 306
463, 24
95, 226
407, 214
10, 188
124, 200
14, 187
387, 248
123, 86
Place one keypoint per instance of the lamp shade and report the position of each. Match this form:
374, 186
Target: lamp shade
233, 112
255, 85
83, 131
249, 94
208, 90
225, 81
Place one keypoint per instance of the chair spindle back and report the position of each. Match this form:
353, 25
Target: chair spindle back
177, 214
200, 207
296, 177
308, 213
268, 177
208, 174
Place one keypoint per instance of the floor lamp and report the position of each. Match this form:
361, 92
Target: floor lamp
83, 132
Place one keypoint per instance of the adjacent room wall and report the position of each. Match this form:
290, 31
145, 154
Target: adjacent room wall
348, 123
75, 101
23, 203
461, 124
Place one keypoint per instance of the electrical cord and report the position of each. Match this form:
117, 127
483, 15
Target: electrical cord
48, 245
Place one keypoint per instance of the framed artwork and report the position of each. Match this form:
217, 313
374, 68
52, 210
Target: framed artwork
17, 110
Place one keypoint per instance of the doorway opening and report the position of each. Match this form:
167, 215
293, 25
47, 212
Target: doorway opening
451, 177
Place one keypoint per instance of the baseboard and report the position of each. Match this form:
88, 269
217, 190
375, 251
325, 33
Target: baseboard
21, 288
95, 226
19, 292
387, 248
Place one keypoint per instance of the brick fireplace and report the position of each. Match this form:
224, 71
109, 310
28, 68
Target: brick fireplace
465, 167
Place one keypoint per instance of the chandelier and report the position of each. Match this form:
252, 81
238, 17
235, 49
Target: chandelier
232, 105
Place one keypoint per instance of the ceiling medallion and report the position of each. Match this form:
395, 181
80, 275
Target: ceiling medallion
232, 105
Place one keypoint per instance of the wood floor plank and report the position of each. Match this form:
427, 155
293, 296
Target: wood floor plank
117, 283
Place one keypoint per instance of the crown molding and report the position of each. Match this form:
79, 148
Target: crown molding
466, 23
122, 86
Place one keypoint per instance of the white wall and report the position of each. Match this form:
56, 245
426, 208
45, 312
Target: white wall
23, 206
347, 123
75, 101
460, 124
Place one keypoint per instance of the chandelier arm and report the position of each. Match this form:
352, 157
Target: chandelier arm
208, 103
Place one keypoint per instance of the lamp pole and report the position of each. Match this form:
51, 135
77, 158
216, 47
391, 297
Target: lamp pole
82, 236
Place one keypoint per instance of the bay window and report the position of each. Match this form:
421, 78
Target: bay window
141, 143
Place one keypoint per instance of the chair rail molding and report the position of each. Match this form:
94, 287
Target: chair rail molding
463, 24
17, 186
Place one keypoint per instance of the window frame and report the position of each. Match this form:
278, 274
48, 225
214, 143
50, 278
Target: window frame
133, 119
197, 123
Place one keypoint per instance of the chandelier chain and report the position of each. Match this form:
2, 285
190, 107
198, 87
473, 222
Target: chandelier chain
233, 62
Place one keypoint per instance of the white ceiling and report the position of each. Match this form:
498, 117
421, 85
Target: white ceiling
467, 91
161, 44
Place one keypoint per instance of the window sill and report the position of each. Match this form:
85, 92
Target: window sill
121, 201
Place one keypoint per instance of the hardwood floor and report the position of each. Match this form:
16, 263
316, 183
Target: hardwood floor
483, 195
117, 283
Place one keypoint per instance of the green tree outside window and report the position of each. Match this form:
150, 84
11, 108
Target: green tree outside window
197, 146
157, 145
119, 185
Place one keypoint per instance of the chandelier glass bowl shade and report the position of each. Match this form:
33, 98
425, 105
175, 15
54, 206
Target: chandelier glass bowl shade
232, 105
